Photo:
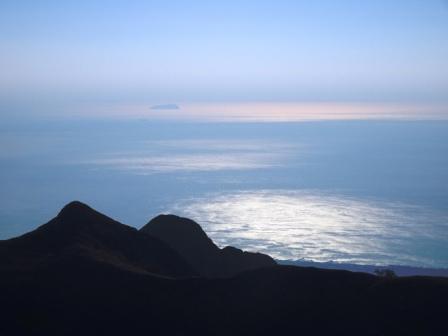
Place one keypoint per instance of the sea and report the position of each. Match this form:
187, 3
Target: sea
367, 192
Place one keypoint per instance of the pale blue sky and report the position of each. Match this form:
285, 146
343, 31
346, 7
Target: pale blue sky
347, 50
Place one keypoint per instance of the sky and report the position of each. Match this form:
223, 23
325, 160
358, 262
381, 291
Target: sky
226, 51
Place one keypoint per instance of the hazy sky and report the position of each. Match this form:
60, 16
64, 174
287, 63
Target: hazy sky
169, 51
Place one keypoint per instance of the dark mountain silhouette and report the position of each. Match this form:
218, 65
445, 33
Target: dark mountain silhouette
78, 232
85, 274
190, 241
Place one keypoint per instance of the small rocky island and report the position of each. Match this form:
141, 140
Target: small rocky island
165, 107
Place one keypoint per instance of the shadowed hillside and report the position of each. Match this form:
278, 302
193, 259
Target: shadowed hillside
85, 274
190, 241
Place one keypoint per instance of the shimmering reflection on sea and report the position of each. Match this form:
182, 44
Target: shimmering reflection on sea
322, 227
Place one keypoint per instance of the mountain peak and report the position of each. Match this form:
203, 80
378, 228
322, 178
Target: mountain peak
189, 240
185, 228
78, 217
79, 212
74, 207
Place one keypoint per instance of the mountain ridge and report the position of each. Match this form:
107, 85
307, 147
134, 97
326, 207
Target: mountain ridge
68, 289
80, 231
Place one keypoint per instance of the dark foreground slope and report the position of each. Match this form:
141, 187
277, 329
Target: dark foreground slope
84, 296
190, 241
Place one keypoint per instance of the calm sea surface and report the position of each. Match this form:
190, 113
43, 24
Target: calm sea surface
367, 192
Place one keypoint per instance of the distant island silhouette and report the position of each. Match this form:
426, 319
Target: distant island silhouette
83, 273
165, 107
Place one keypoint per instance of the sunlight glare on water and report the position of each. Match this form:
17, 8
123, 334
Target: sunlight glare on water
313, 226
